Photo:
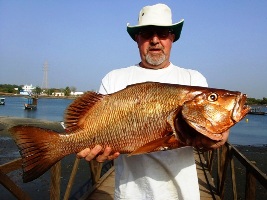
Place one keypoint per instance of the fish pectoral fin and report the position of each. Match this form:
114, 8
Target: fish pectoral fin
150, 146
171, 120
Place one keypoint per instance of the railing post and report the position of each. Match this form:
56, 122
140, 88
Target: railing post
210, 158
224, 161
95, 168
250, 185
12, 187
218, 170
72, 177
55, 181
232, 165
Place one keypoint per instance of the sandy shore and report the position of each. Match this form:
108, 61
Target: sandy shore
40, 187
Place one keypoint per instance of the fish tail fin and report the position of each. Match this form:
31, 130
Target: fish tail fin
39, 149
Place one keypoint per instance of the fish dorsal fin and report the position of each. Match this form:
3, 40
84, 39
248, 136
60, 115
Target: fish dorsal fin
77, 111
150, 146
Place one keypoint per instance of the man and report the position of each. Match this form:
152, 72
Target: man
167, 174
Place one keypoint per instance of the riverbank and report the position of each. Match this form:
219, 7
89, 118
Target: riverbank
40, 96
40, 186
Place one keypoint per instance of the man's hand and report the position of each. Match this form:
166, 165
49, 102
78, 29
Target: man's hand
89, 154
201, 142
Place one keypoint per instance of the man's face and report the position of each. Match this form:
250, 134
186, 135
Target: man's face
154, 45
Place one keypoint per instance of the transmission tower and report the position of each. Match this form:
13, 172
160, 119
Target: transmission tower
45, 78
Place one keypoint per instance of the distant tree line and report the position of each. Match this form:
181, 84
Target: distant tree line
251, 101
10, 89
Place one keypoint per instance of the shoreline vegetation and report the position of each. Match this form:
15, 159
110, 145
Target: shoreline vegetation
39, 96
10, 90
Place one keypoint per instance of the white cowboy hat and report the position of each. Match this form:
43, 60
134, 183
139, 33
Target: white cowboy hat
156, 15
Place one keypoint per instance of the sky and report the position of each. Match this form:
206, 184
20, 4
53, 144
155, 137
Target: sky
83, 40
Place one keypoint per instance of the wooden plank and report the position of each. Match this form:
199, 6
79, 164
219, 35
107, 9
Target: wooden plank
206, 185
96, 168
12, 187
105, 188
72, 177
224, 164
11, 166
55, 181
250, 186
232, 164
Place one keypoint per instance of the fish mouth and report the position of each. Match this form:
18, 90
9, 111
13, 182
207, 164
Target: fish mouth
240, 110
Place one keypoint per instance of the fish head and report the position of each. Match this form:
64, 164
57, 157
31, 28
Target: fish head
214, 111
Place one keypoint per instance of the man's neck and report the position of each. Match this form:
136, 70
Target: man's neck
148, 66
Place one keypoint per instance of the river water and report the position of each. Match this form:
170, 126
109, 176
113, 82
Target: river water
252, 130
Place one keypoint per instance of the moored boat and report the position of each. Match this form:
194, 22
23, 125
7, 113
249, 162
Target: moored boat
2, 101
256, 111
32, 103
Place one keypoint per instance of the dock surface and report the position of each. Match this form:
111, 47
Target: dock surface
104, 189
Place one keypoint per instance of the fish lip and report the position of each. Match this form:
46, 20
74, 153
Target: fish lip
240, 109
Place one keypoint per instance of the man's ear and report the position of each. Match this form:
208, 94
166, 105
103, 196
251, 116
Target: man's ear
172, 37
136, 37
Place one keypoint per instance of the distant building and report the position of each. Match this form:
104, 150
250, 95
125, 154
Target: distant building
27, 90
76, 93
58, 94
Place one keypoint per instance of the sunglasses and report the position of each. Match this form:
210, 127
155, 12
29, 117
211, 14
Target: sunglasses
161, 33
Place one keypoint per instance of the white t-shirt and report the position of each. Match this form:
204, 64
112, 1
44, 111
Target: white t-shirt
159, 175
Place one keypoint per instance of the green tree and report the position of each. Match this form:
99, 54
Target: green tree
8, 88
264, 100
37, 90
251, 101
52, 90
67, 91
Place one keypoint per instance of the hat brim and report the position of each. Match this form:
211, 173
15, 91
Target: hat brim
177, 29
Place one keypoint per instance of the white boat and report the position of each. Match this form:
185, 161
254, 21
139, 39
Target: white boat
2, 101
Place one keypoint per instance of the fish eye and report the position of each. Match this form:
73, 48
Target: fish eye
213, 97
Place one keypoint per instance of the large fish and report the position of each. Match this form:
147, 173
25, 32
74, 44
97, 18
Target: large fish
141, 118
